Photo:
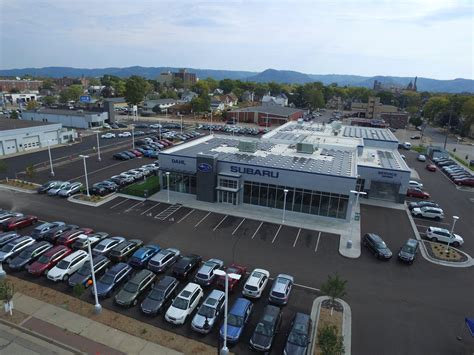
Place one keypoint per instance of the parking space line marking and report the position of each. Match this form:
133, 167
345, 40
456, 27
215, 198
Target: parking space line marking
235, 230
203, 218
276, 234
135, 205
187, 214
308, 287
297, 236
222, 220
317, 243
431, 223
152, 207
258, 228
118, 204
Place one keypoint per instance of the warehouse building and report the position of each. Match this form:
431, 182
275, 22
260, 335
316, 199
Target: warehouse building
304, 168
68, 118
20, 136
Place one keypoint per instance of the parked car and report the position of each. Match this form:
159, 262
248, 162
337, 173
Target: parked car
43, 228
109, 185
121, 156
7, 237
428, 212
48, 260
421, 158
256, 283
55, 190
420, 204
232, 283
120, 180
465, 181
67, 266
208, 313
431, 167
98, 190
49, 185
238, 317
112, 279
72, 189
436, 234
93, 238
186, 265
69, 237
108, 135
13, 248
299, 336
123, 250
281, 289
18, 222
163, 259
124, 134
408, 251
266, 329
377, 246
415, 184
184, 304
141, 256
106, 245
205, 275
137, 286
83, 276
418, 193
55, 232
28, 255
130, 155
6, 215
162, 293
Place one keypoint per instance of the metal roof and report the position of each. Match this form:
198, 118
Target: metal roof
270, 109
379, 134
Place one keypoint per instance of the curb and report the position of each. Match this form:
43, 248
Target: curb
426, 256
131, 197
346, 323
92, 204
18, 189
40, 336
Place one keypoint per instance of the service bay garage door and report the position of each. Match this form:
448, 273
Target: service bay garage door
9, 146
384, 191
31, 143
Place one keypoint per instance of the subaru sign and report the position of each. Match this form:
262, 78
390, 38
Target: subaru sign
205, 168
85, 98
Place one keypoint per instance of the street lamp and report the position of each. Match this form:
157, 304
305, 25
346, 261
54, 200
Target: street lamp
218, 272
98, 146
168, 183
159, 130
84, 157
210, 126
97, 306
455, 218
357, 193
285, 191
133, 137
181, 123
50, 160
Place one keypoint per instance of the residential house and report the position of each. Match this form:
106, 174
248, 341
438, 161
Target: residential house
217, 104
163, 105
248, 96
280, 100
188, 96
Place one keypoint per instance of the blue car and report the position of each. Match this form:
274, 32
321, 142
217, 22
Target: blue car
112, 279
151, 154
237, 318
141, 257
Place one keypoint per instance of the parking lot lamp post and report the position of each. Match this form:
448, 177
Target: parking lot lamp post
84, 157
181, 123
50, 160
168, 184
98, 146
97, 306
357, 193
159, 131
455, 218
133, 137
218, 272
210, 126
285, 191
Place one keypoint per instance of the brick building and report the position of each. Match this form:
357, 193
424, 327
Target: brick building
273, 114
22, 85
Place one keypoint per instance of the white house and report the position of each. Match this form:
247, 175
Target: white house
280, 99
163, 104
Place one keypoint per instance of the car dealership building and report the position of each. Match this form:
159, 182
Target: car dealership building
301, 167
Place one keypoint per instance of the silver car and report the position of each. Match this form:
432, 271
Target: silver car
72, 189
209, 312
164, 259
55, 191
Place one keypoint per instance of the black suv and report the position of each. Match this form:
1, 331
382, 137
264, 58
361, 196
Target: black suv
53, 234
408, 251
163, 292
186, 265
124, 250
29, 254
266, 329
377, 246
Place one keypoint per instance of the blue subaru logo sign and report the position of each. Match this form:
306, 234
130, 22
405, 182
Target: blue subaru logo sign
204, 168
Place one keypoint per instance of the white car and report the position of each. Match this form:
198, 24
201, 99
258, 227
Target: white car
428, 212
106, 125
256, 283
108, 135
443, 235
184, 304
416, 184
124, 134
67, 266
107, 245
6, 216
421, 157
136, 173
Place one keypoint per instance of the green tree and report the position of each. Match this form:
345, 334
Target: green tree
136, 88
275, 88
14, 115
48, 84
169, 94
14, 91
30, 171
416, 120
468, 115
75, 91
31, 105
334, 287
94, 82
227, 85
313, 98
78, 290
201, 103
329, 341
3, 167
201, 87
49, 100
435, 106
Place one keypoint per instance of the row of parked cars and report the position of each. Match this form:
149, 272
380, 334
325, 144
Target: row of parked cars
248, 131
377, 246
60, 188
58, 251
458, 174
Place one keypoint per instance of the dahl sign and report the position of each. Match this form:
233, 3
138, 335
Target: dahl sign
204, 168
253, 171
178, 161
387, 174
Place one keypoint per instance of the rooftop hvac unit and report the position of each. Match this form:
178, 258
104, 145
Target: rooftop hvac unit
305, 148
248, 147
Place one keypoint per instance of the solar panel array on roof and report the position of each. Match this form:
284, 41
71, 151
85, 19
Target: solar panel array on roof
387, 160
368, 133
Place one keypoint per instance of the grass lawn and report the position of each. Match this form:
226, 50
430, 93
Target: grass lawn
151, 185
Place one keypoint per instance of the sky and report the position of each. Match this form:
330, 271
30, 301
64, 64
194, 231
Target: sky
427, 38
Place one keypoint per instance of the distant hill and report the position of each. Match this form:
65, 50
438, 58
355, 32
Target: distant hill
269, 75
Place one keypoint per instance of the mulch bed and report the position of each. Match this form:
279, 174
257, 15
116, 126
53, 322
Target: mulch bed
438, 251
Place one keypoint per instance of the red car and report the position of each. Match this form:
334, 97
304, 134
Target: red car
136, 152
167, 141
234, 269
431, 167
418, 193
464, 181
69, 237
18, 222
48, 260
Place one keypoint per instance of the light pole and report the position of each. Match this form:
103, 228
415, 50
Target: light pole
133, 137
50, 160
285, 191
84, 157
218, 272
97, 306
455, 218
357, 193
210, 126
168, 184
159, 130
181, 123
98, 146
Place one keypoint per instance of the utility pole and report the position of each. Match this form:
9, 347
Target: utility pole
449, 126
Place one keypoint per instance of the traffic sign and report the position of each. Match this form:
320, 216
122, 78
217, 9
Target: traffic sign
85, 98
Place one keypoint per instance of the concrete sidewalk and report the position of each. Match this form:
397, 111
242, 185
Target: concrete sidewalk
81, 333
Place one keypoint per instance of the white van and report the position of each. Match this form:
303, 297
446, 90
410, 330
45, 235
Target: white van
407, 145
